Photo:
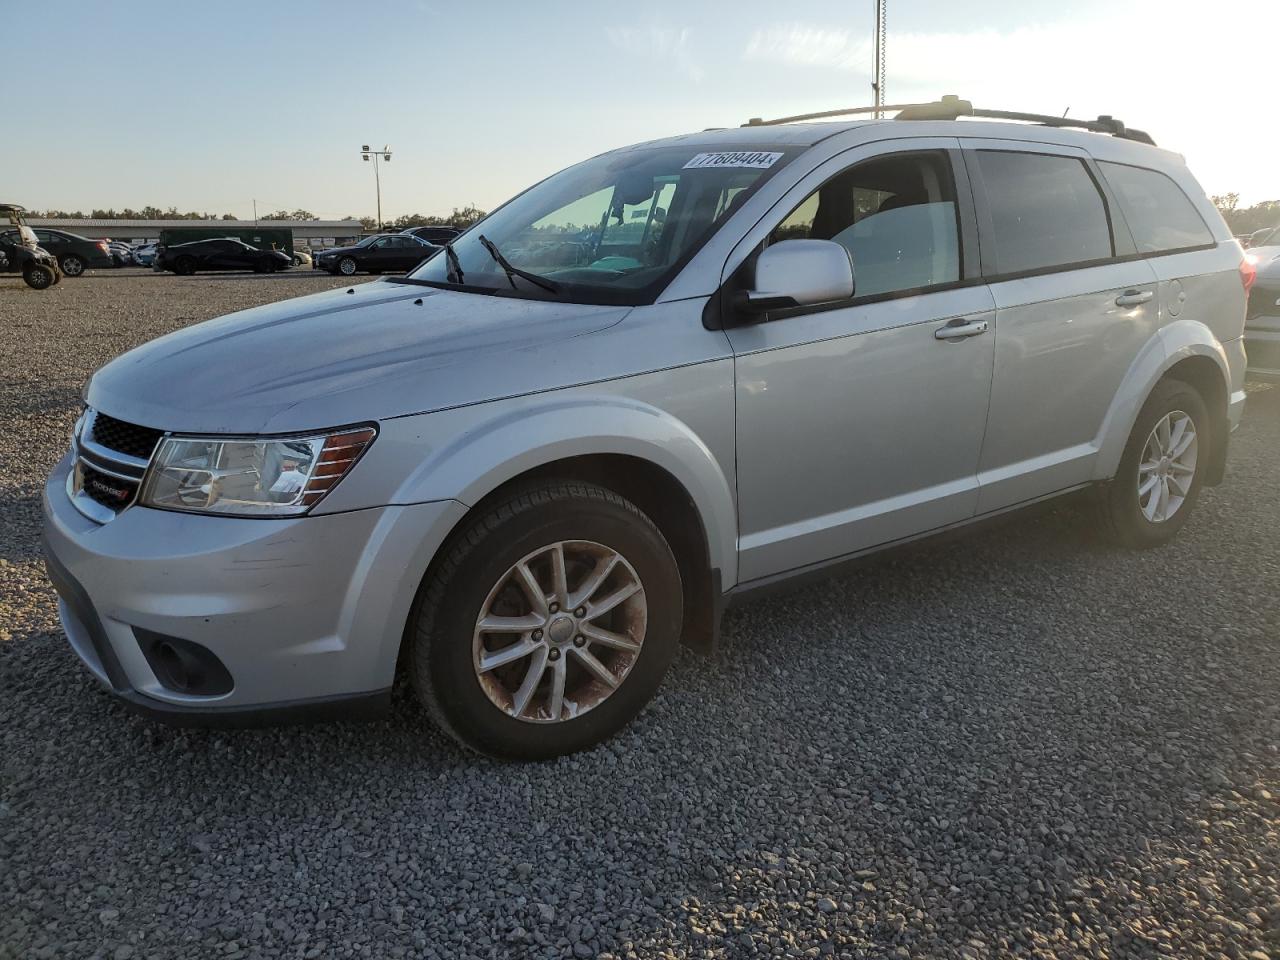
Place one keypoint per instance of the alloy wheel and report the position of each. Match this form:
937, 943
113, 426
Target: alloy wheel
559, 632
1168, 466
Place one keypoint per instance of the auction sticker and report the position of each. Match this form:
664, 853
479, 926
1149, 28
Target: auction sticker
749, 159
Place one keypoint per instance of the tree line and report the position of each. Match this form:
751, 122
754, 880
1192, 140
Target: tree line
1244, 220
460, 217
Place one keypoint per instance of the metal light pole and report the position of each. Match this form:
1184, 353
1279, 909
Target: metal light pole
878, 83
384, 154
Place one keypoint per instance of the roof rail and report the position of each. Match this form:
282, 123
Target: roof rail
952, 107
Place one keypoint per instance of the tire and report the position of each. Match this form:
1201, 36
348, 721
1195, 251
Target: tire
261, 266
72, 265
347, 266
185, 267
1132, 519
39, 277
590, 524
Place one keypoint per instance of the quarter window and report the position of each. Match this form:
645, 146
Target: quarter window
896, 216
1158, 212
1046, 211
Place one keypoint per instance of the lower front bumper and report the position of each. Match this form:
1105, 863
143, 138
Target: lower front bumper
306, 614
90, 641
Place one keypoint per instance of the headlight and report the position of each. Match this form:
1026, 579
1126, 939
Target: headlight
278, 477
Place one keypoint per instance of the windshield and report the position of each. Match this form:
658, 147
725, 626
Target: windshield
613, 229
1269, 238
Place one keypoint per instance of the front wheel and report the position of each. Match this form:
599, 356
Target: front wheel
548, 625
1162, 469
38, 276
72, 265
346, 266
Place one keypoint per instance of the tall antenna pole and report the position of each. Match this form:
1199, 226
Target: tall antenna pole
878, 83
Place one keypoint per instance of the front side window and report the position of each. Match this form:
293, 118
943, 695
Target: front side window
1158, 212
1046, 211
614, 229
897, 217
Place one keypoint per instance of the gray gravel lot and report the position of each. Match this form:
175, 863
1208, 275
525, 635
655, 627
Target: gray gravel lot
1020, 743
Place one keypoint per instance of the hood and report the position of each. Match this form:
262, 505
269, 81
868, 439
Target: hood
344, 356
337, 250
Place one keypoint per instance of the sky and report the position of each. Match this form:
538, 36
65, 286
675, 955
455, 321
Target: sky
214, 106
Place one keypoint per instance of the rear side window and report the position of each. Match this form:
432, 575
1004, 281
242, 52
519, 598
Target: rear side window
1159, 213
1046, 211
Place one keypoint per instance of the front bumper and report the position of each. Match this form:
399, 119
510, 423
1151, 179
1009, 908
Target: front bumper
306, 614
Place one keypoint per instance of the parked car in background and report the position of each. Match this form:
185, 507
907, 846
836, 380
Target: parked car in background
301, 257
221, 254
382, 253
144, 254
121, 254
75, 254
437, 235
21, 253
1267, 235
521, 486
1262, 325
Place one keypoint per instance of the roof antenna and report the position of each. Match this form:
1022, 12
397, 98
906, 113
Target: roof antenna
1065, 112
877, 85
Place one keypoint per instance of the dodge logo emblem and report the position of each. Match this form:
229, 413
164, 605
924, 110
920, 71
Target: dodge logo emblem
105, 488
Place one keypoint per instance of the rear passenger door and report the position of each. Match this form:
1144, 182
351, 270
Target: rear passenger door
1071, 314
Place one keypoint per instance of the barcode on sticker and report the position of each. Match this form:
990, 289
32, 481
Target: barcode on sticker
739, 158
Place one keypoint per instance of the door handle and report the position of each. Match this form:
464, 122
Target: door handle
1132, 298
959, 329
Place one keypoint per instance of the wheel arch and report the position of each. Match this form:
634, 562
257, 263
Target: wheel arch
1186, 351
638, 452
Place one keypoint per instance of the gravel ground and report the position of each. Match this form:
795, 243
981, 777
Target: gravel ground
1019, 743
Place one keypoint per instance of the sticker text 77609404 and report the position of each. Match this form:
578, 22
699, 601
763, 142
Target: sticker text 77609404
751, 159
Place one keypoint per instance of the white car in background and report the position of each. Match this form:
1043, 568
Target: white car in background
144, 254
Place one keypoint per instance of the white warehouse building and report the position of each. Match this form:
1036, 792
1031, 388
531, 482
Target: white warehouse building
306, 233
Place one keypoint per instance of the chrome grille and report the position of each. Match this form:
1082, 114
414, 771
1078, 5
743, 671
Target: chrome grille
111, 459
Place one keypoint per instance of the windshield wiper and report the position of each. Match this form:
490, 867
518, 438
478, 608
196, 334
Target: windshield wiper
455, 268
512, 272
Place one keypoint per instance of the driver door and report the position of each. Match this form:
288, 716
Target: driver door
861, 422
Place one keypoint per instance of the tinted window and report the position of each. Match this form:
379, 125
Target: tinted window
1159, 213
895, 215
1046, 211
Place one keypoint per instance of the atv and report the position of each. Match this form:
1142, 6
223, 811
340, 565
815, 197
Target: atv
20, 252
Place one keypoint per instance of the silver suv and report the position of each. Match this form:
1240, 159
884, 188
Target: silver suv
647, 387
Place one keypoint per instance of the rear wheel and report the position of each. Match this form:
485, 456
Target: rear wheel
1162, 469
548, 625
346, 266
38, 276
72, 265
185, 266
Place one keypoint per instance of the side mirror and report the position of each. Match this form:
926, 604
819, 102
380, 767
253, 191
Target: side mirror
799, 273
